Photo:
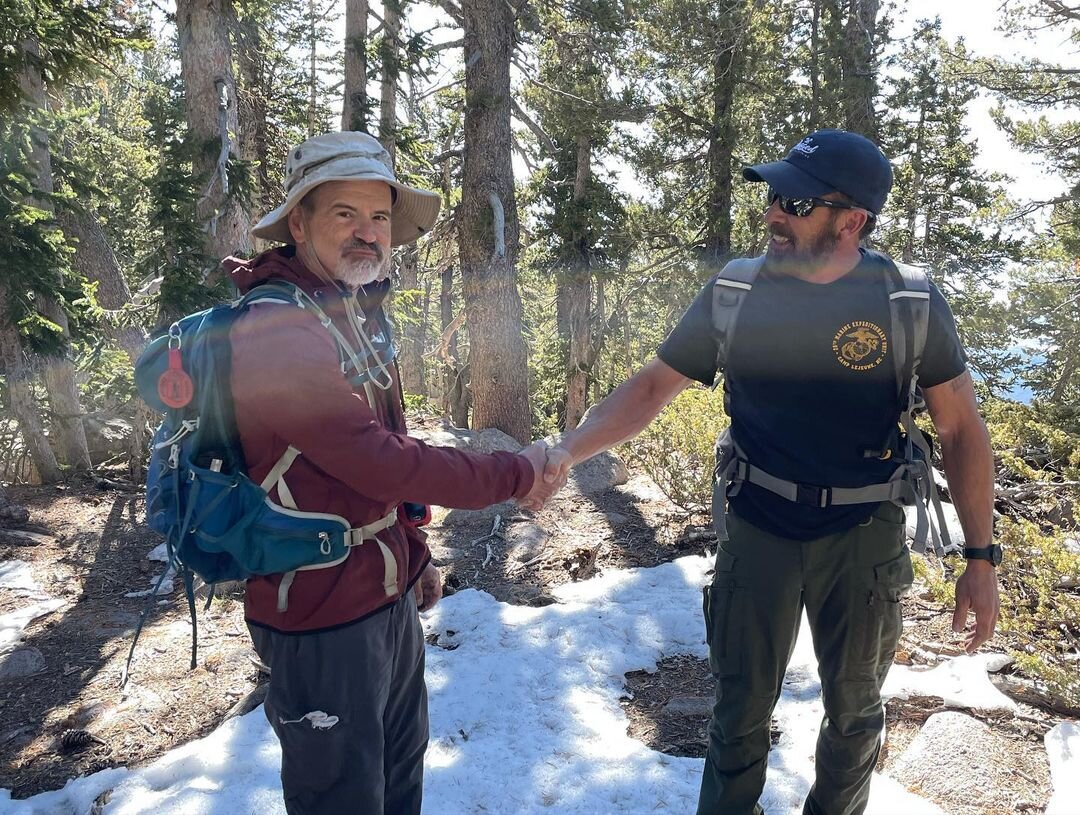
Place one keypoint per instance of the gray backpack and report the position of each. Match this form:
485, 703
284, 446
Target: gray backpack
912, 482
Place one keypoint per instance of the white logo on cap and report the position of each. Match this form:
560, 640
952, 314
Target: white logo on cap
806, 147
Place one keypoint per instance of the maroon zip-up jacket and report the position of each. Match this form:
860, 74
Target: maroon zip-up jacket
355, 459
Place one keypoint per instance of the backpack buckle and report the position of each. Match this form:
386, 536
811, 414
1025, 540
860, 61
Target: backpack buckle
812, 496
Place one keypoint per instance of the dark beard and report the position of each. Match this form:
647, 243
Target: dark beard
803, 261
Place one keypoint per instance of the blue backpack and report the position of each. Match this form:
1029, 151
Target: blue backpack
218, 523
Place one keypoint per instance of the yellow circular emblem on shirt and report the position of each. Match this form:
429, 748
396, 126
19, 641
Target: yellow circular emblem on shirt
860, 345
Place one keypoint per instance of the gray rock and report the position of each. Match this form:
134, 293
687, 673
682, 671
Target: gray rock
441, 555
616, 518
105, 438
680, 706
479, 441
599, 473
21, 663
949, 746
525, 541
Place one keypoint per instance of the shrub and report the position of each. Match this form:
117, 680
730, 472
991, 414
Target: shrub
677, 449
1039, 624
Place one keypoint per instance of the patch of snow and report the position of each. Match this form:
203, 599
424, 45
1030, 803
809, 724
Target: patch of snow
13, 623
525, 717
160, 585
1063, 751
159, 553
961, 681
16, 577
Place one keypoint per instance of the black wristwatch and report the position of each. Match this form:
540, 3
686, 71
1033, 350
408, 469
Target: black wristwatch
991, 553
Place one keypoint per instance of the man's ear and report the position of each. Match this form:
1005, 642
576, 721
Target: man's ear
296, 224
853, 222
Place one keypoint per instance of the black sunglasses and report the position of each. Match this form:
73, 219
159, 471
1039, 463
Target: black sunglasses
801, 207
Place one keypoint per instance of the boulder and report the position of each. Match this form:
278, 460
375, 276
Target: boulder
524, 541
106, 437
951, 746
21, 663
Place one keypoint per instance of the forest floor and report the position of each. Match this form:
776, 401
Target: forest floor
93, 554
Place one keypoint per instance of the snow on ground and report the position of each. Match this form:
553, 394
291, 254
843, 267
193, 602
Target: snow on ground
525, 717
961, 682
1063, 750
17, 579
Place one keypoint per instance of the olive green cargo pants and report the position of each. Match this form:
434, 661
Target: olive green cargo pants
850, 584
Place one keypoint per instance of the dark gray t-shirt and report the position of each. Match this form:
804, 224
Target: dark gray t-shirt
812, 385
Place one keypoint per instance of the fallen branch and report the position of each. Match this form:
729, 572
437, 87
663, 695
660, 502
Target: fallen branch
1023, 690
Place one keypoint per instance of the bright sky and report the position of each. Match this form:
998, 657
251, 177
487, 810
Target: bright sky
976, 21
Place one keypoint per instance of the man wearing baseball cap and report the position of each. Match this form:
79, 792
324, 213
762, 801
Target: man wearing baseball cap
805, 511
344, 645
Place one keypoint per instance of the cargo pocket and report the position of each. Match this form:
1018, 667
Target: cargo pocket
721, 606
883, 616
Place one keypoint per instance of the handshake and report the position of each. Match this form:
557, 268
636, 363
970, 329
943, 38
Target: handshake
551, 466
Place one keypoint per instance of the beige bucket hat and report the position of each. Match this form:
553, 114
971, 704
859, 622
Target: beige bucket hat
349, 156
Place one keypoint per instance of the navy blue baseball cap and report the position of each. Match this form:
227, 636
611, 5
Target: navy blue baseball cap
830, 161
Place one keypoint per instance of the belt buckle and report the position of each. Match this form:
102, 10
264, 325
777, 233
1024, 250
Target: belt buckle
813, 496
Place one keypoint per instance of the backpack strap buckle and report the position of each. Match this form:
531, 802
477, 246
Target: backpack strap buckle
813, 496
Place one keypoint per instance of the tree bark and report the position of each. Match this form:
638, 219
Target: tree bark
58, 371
726, 62
355, 111
488, 226
94, 259
859, 68
412, 339
391, 69
578, 302
455, 392
21, 396
210, 98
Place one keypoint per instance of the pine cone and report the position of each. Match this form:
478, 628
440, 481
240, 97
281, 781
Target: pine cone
72, 741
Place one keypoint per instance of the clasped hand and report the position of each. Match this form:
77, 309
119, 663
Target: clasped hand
551, 467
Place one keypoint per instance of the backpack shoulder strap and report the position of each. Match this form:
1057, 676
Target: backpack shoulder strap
909, 313
732, 285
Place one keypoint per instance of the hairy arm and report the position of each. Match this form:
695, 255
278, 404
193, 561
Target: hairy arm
969, 467
619, 417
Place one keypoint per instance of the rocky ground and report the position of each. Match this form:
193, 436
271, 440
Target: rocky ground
88, 547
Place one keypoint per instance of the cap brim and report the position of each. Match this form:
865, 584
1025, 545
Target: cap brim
787, 179
413, 214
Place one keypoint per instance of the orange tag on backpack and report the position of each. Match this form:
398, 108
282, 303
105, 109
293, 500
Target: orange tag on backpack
174, 386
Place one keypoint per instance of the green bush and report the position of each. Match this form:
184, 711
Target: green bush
1040, 619
677, 450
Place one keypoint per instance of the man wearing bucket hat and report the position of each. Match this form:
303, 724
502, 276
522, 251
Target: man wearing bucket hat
811, 389
325, 429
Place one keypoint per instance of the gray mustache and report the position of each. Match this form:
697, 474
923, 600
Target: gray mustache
374, 247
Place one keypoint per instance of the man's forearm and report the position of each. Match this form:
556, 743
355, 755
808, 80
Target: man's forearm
969, 467
625, 412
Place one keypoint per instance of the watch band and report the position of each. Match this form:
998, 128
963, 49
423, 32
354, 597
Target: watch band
991, 553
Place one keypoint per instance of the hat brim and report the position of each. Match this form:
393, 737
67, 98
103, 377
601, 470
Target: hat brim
787, 179
413, 214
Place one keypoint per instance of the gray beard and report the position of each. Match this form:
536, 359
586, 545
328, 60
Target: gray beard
357, 273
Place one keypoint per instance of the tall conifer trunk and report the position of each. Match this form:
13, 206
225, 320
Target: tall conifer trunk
210, 98
488, 226
58, 371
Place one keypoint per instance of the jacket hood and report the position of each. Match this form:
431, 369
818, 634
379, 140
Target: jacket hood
282, 263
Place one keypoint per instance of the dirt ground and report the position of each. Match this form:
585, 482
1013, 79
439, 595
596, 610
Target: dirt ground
95, 553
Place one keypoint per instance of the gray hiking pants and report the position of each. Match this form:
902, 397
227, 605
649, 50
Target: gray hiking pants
850, 584
349, 707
